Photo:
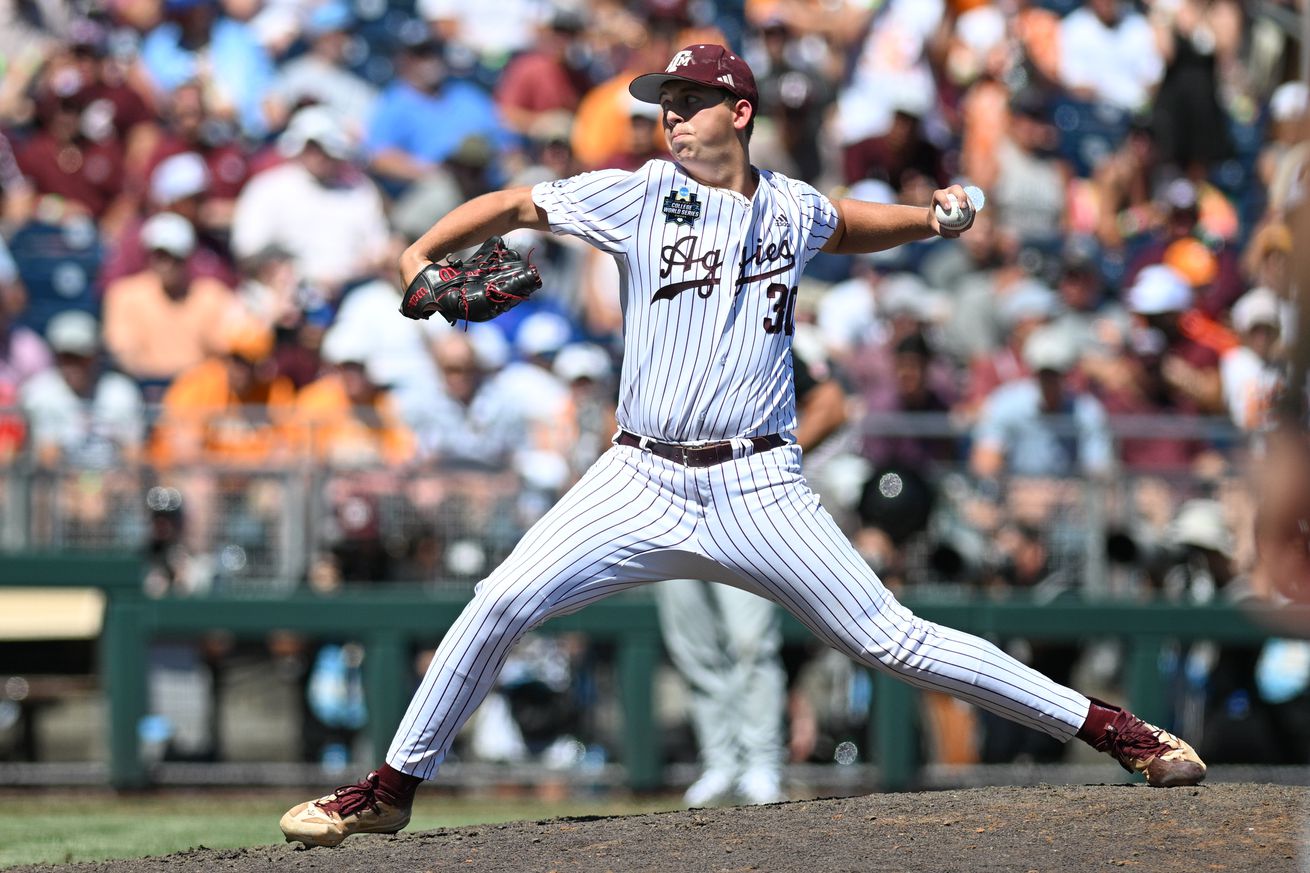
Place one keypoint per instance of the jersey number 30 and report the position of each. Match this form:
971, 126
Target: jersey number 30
784, 309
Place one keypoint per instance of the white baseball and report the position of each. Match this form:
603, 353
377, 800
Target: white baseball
961, 214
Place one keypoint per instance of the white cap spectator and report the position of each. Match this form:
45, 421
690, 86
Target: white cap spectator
169, 232
73, 332
1030, 299
903, 294
320, 126
1257, 306
329, 17
582, 361
640, 108
490, 345
178, 177
1289, 101
1047, 348
542, 333
1159, 289
1201, 523
981, 28
872, 191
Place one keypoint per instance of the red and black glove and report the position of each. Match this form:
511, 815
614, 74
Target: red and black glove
493, 280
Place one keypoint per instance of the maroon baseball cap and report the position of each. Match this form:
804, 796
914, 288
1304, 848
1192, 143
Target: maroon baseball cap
712, 65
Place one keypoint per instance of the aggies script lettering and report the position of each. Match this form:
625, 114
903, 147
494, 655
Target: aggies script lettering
682, 255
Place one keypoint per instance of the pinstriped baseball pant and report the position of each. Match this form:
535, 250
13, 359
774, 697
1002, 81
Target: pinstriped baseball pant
752, 522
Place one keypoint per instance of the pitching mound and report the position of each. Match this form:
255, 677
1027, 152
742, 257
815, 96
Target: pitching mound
1237, 827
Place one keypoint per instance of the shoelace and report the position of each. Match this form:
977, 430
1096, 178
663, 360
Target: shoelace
350, 799
1129, 739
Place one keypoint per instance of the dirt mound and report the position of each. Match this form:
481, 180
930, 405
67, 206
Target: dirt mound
1237, 827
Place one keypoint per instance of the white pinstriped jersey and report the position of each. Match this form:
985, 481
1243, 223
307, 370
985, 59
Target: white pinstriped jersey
708, 285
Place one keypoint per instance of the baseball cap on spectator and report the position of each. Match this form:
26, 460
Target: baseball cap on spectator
1200, 523
318, 125
1180, 195
329, 17
73, 332
168, 232
582, 361
903, 294
714, 66
642, 109
1289, 101
1031, 299
1079, 254
88, 35
872, 191
345, 346
542, 333
250, 341
178, 177
1048, 348
1192, 260
1255, 307
1159, 289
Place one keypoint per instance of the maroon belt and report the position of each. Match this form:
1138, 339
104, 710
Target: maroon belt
700, 455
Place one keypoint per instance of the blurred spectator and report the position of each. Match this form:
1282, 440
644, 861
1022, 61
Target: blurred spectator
1082, 294
178, 184
396, 352
489, 33
272, 294
1251, 372
543, 83
1024, 181
1026, 306
423, 117
472, 420
1284, 152
346, 418
231, 408
190, 126
602, 125
1109, 55
794, 96
1200, 40
1183, 205
321, 75
588, 371
318, 205
1041, 426
1267, 261
891, 66
1156, 368
643, 145
909, 390
159, 322
80, 412
902, 156
75, 152
198, 41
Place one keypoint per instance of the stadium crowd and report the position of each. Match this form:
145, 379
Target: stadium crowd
204, 202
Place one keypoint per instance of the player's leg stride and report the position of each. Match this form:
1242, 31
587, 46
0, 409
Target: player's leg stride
379, 803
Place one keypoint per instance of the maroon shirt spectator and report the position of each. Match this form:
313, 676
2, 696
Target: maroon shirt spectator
60, 159
540, 81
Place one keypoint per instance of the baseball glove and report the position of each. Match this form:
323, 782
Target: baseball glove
493, 280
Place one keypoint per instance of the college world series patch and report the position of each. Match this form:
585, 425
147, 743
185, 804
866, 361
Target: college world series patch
681, 206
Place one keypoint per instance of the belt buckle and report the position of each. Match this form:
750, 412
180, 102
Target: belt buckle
683, 456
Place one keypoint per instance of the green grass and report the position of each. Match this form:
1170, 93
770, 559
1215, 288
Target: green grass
36, 827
